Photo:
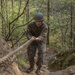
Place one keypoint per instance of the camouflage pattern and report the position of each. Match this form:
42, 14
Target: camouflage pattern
41, 32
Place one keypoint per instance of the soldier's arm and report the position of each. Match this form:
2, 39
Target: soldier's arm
28, 32
43, 34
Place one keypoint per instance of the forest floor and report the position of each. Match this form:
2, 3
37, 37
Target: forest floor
15, 70
68, 71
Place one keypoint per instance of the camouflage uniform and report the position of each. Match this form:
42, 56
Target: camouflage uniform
41, 32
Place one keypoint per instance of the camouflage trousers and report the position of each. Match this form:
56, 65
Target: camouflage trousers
38, 48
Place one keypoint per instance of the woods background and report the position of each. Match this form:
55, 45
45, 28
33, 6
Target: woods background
58, 14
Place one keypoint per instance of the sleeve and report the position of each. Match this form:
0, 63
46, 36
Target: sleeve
28, 32
43, 34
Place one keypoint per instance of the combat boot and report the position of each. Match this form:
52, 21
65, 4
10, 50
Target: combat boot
38, 72
30, 69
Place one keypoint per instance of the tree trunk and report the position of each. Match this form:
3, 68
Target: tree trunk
27, 13
2, 17
71, 32
48, 18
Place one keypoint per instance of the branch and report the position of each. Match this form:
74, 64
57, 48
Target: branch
2, 16
18, 39
20, 14
16, 28
16, 50
17, 13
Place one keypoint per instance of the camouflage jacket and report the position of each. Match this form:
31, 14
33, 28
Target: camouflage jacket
41, 32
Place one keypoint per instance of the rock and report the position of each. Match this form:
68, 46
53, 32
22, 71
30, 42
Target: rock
68, 71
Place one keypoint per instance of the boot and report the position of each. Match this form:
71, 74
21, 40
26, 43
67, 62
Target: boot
38, 72
30, 69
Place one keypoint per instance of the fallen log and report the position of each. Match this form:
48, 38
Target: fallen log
15, 51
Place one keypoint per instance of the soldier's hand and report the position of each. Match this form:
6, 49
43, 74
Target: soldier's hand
33, 38
38, 39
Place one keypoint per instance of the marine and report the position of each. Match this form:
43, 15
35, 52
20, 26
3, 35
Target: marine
38, 31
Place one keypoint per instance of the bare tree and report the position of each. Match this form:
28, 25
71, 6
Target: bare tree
48, 19
71, 24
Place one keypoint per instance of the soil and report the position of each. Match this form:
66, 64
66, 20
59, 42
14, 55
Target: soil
8, 68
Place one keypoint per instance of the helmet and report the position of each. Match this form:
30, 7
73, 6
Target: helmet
38, 17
